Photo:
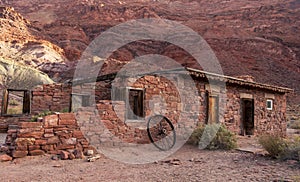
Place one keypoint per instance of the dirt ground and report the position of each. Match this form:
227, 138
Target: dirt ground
187, 164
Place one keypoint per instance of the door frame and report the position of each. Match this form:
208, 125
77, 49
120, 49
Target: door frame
243, 129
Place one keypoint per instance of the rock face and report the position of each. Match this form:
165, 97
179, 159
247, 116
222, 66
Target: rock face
20, 42
249, 37
17, 76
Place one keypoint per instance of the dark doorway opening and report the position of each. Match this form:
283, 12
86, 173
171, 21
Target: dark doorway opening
247, 123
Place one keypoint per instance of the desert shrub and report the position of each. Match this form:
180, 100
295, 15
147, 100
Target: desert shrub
214, 136
274, 145
281, 148
293, 149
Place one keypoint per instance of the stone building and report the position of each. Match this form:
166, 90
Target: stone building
243, 105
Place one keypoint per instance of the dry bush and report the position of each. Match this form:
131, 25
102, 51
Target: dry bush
223, 139
274, 145
293, 149
281, 148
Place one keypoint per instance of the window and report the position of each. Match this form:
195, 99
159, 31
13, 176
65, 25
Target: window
79, 100
135, 104
269, 104
212, 109
16, 102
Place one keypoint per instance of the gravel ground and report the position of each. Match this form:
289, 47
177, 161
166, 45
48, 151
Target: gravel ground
187, 164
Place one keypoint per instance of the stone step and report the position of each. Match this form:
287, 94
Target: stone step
252, 150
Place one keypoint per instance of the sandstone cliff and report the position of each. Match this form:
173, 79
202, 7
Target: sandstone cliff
20, 42
258, 38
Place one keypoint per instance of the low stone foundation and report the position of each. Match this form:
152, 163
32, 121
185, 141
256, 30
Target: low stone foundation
56, 133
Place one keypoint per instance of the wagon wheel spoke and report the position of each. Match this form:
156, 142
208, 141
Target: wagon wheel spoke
161, 132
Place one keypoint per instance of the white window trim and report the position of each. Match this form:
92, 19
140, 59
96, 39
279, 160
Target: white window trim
271, 101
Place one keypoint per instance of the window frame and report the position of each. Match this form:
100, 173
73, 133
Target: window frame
128, 107
272, 104
26, 102
84, 98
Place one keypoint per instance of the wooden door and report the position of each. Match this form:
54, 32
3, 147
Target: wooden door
213, 109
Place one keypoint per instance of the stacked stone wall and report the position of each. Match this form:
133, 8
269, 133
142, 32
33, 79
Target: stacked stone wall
54, 134
265, 121
6, 121
51, 97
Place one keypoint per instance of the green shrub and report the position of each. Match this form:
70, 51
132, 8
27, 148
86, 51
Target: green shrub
64, 110
281, 148
42, 114
213, 136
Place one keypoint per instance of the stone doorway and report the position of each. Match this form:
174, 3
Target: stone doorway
247, 121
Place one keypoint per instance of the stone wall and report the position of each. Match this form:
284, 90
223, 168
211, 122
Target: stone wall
112, 116
162, 97
51, 97
265, 121
270, 121
106, 124
54, 134
97, 91
169, 98
57, 97
6, 121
